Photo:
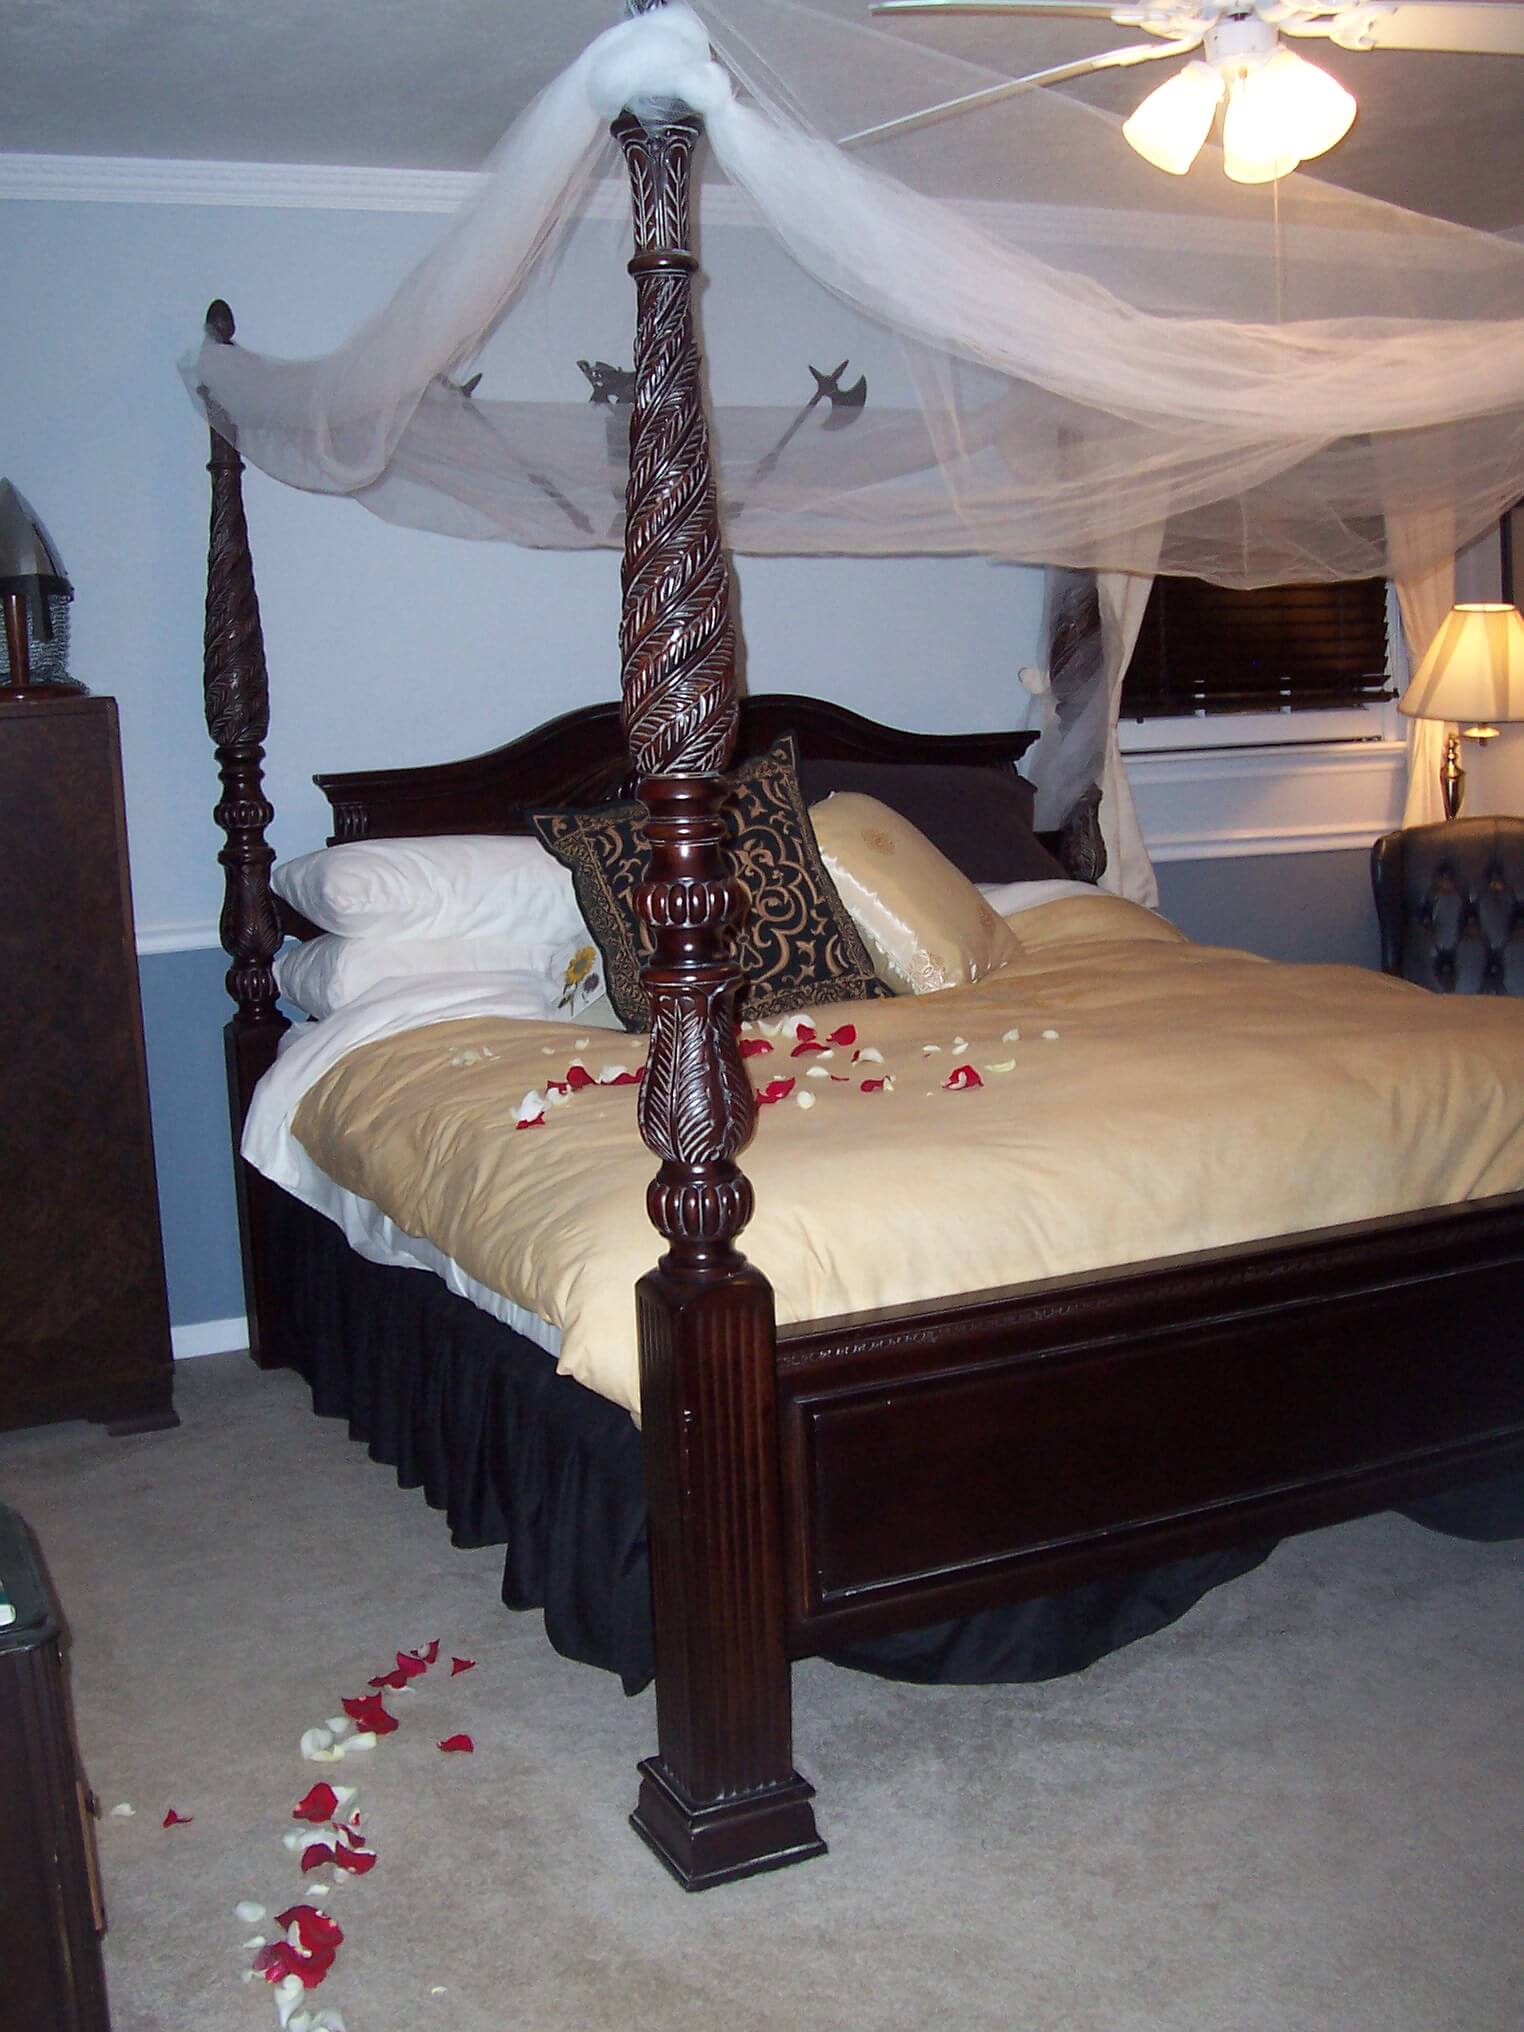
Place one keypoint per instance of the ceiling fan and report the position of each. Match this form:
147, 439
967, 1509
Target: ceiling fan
1280, 110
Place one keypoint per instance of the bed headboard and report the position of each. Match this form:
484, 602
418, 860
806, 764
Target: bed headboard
582, 759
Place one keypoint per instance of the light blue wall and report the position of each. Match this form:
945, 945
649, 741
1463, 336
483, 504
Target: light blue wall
1285, 906
390, 646
185, 1006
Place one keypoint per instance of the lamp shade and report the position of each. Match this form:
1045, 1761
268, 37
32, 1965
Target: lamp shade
1472, 673
1175, 119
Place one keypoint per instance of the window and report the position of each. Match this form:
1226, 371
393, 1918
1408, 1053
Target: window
1206, 649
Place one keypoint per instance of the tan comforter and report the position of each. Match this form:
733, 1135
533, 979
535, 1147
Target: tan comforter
1139, 1095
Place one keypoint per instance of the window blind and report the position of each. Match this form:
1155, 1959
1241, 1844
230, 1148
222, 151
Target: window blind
1217, 649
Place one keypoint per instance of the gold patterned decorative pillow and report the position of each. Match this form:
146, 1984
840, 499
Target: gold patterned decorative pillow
798, 945
925, 923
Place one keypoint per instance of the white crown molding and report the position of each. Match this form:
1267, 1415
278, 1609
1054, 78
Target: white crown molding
284, 186
134, 180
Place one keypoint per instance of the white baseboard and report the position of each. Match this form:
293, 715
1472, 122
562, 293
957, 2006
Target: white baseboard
209, 1337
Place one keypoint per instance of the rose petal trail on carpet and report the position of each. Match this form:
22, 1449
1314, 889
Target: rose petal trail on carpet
1300, 1807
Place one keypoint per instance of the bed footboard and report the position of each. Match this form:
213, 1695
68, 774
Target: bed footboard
938, 1461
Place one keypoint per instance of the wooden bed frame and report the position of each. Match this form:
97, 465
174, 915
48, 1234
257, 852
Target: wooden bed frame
881, 1471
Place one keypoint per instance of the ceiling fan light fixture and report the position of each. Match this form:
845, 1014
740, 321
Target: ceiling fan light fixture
1311, 106
1171, 124
1256, 145
1280, 112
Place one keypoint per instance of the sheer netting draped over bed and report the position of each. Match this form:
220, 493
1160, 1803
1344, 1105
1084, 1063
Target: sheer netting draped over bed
1072, 359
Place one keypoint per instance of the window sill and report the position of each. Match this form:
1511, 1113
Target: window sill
1225, 803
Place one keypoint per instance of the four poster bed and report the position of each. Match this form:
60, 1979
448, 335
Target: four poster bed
839, 1480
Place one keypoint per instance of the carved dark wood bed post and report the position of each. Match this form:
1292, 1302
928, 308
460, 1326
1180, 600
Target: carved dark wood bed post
237, 698
721, 1798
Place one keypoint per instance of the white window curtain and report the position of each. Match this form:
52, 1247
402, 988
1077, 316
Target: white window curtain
1090, 625
1129, 871
1425, 594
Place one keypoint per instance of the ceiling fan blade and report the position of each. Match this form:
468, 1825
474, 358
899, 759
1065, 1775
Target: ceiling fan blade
1095, 9
1475, 27
991, 95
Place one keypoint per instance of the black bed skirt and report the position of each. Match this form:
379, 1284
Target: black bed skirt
516, 1455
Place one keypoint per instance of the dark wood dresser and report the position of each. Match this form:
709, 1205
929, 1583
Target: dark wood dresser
51, 1916
84, 1324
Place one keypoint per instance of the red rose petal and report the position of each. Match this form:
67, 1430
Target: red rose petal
462, 1665
961, 1079
425, 1654
873, 1086
320, 1805
806, 1045
396, 1679
754, 1047
534, 1122
578, 1077
315, 1930
842, 1079
173, 1819
280, 1959
356, 1860
457, 1743
367, 1712
775, 1090
316, 1854
846, 1035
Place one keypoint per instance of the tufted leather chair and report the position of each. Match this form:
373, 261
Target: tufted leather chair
1450, 904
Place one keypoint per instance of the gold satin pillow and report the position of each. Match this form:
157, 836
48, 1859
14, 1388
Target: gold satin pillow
924, 922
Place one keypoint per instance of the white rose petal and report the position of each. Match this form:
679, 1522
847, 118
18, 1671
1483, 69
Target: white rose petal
817, 1072
1002, 1065
805, 1099
253, 1944
289, 1992
1011, 1037
869, 1055
123, 1812
581, 1044
1050, 1034
960, 1044
248, 1911
928, 1049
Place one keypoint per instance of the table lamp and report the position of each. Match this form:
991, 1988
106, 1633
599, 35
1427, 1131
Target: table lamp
1472, 676
35, 592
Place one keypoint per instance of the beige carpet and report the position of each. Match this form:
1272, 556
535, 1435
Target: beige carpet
1302, 1807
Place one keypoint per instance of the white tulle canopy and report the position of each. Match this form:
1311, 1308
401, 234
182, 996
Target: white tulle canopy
1071, 358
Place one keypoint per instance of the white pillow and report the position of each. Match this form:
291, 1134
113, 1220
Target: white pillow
475, 886
327, 973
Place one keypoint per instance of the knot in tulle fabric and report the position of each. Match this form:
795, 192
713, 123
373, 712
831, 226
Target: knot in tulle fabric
656, 58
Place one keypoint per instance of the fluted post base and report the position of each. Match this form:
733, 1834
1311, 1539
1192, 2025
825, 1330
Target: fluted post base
721, 1798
